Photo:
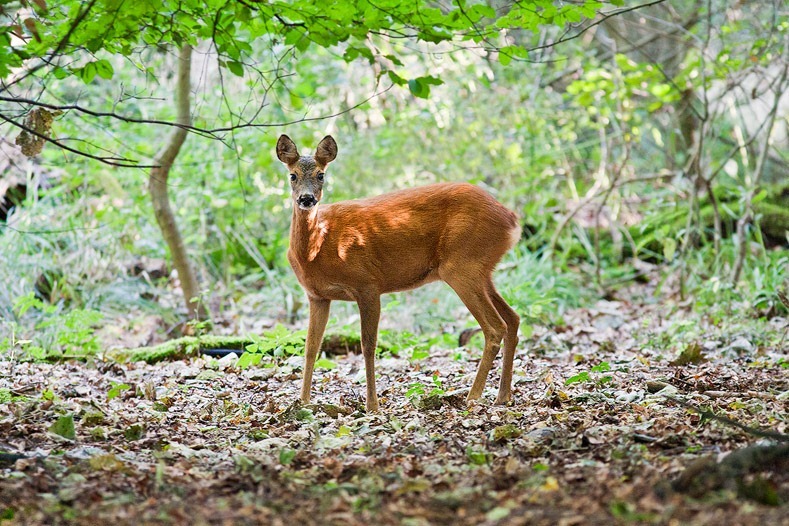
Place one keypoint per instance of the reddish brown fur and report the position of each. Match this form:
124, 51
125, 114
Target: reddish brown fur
358, 250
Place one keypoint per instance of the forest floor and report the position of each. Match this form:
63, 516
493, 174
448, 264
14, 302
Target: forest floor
601, 430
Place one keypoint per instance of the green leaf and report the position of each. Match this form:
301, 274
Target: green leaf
761, 196
64, 426
248, 359
580, 377
497, 514
396, 61
433, 81
669, 248
420, 86
116, 390
60, 73
325, 363
29, 301
418, 89
415, 389
87, 72
476, 457
236, 68
286, 456
397, 79
343, 431
304, 415
104, 69
479, 11
134, 432
418, 353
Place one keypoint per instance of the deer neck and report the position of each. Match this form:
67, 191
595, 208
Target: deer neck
307, 233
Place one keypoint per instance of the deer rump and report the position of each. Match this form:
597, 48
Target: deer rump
404, 239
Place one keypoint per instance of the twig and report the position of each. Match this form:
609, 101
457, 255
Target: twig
761, 433
591, 197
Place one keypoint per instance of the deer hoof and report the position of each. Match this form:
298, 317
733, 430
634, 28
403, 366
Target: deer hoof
503, 399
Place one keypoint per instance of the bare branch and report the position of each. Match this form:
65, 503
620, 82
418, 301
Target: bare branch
113, 161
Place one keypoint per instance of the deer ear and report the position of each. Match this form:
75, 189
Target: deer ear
286, 150
326, 151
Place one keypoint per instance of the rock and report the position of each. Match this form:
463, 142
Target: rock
740, 344
655, 386
260, 373
209, 374
542, 435
332, 410
295, 362
188, 371
269, 444
608, 321
228, 360
81, 453
624, 396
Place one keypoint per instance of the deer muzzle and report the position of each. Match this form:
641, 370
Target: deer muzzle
306, 201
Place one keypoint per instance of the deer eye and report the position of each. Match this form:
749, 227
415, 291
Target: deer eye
293, 178
320, 177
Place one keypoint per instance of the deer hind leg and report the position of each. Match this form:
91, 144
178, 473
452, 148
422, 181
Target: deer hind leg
319, 315
475, 294
370, 314
512, 320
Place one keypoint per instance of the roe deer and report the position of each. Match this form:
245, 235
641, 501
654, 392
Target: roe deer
358, 250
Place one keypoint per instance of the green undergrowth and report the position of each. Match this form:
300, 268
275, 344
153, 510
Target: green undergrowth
56, 334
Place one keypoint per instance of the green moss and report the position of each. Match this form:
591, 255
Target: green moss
773, 219
187, 346
179, 348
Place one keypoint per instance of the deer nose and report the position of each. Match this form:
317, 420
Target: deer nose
307, 200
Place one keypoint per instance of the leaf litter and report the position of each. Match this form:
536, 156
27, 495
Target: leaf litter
599, 432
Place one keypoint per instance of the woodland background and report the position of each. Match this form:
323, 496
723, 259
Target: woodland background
645, 147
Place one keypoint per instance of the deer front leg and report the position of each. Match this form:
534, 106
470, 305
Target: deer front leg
370, 313
319, 316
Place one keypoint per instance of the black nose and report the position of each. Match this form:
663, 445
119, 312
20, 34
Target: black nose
307, 200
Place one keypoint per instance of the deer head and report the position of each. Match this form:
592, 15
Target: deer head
306, 172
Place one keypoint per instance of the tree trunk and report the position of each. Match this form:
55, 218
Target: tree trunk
157, 184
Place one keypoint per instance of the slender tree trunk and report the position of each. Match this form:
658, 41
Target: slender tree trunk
747, 214
157, 184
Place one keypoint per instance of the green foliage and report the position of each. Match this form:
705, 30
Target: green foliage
478, 457
417, 390
64, 427
6, 513
6, 396
56, 335
592, 375
279, 342
116, 389
286, 456
325, 363
233, 27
